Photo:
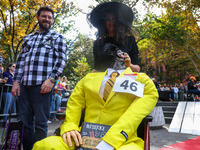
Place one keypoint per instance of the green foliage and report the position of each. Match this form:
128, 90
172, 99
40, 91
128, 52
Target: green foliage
82, 68
80, 54
84, 44
61, 21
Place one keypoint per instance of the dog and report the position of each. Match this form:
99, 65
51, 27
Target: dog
117, 56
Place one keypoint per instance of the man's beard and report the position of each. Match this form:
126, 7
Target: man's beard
44, 27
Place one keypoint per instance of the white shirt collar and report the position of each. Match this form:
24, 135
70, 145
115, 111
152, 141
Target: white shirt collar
110, 71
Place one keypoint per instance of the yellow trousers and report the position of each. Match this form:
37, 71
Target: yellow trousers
57, 143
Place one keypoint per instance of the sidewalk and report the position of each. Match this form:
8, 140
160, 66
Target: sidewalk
53, 126
160, 137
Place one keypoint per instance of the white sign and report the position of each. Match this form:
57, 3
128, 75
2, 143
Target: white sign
128, 85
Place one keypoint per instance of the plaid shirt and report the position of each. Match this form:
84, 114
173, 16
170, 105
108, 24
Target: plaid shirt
43, 55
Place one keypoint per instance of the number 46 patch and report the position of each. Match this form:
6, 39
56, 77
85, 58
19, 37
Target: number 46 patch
128, 85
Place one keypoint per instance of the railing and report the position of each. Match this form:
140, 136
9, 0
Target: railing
5, 88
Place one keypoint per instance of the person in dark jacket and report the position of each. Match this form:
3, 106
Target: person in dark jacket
8, 99
193, 87
113, 21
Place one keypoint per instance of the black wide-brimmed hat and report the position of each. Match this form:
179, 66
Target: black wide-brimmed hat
122, 12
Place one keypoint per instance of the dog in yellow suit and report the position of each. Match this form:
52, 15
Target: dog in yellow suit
122, 111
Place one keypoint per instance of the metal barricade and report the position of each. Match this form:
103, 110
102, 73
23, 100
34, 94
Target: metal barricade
5, 89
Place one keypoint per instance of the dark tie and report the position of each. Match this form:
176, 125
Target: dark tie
109, 84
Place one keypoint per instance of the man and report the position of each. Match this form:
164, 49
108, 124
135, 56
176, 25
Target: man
122, 110
175, 92
192, 87
40, 62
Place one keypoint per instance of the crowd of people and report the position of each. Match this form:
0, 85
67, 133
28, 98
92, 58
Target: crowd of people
178, 92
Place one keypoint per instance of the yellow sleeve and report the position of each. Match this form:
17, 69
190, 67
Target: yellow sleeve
75, 105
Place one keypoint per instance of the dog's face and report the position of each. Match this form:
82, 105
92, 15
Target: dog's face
117, 56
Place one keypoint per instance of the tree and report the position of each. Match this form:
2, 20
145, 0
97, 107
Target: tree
163, 43
80, 54
84, 44
189, 11
18, 18
82, 68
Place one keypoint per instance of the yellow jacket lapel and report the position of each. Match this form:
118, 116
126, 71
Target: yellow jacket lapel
97, 83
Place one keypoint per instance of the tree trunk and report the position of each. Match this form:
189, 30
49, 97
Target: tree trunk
188, 55
195, 52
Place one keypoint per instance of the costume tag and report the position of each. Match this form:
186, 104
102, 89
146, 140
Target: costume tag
124, 134
132, 76
127, 85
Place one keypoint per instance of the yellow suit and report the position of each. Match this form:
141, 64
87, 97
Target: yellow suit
123, 111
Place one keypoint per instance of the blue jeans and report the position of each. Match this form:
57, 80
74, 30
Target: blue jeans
195, 91
53, 108
58, 101
176, 96
34, 109
8, 99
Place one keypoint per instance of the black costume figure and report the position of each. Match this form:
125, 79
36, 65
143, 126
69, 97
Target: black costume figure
102, 62
114, 21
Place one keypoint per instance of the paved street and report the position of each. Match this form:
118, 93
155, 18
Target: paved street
162, 138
